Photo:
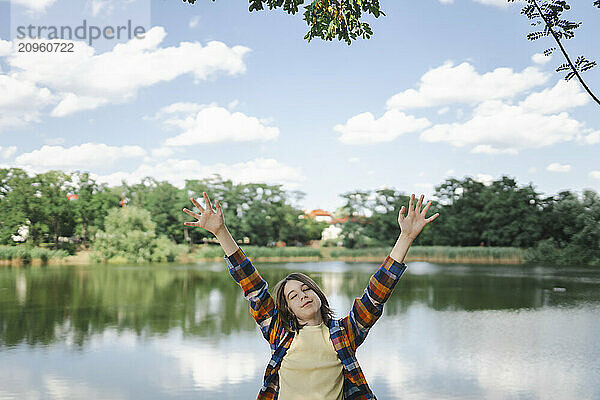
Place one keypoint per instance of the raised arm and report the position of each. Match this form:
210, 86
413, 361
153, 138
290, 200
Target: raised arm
262, 306
367, 309
214, 222
410, 226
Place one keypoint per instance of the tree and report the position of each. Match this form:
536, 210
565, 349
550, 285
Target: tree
549, 14
130, 237
261, 212
383, 222
54, 207
229, 197
511, 214
463, 213
164, 202
15, 194
354, 230
571, 230
39, 202
92, 205
129, 234
327, 19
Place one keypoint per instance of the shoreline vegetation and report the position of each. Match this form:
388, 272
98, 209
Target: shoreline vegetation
440, 254
144, 223
22, 255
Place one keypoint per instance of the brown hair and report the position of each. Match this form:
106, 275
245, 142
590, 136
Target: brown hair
285, 315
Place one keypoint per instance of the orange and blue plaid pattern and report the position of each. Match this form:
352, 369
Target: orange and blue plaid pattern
346, 334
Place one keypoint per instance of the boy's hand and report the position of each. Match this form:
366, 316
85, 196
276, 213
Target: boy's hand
415, 220
212, 221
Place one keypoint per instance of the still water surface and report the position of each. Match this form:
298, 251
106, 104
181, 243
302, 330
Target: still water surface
184, 332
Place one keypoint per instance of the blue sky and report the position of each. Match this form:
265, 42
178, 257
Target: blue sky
443, 88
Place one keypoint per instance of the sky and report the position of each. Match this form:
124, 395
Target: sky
444, 88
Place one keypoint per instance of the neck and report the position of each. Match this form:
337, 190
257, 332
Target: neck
317, 319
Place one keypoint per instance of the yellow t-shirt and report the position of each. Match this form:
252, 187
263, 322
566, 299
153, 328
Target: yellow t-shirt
311, 368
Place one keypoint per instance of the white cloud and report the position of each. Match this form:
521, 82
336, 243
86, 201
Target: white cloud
449, 84
497, 3
353, 160
54, 141
364, 128
489, 149
215, 124
447, 1
540, 58
85, 156
496, 127
532, 170
117, 76
450, 172
443, 110
181, 108
5, 48
562, 96
34, 6
592, 138
485, 179
233, 104
163, 152
105, 7
594, 174
177, 171
7, 152
21, 102
556, 167
194, 22
70, 103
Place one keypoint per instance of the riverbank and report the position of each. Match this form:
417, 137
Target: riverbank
211, 253
437, 254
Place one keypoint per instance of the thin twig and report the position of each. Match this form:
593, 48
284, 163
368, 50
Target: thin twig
565, 53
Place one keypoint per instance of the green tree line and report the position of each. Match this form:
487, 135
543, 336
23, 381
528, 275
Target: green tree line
560, 228
564, 228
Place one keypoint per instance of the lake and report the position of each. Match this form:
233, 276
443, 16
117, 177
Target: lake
184, 331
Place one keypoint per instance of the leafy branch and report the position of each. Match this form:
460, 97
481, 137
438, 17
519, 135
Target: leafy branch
327, 19
549, 14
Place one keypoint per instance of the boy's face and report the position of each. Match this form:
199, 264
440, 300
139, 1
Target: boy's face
302, 300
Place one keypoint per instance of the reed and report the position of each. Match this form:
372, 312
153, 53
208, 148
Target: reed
369, 252
262, 252
466, 253
26, 254
448, 254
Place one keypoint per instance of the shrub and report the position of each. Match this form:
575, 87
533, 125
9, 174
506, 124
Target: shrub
166, 251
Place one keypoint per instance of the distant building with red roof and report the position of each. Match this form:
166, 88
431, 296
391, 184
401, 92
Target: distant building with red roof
342, 220
320, 215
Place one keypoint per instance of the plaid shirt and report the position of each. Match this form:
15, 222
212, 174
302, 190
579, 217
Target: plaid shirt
346, 334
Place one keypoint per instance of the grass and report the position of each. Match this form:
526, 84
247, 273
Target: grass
358, 253
26, 254
476, 253
416, 253
262, 252
444, 254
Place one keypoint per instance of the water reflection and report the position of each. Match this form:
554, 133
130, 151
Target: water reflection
182, 331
